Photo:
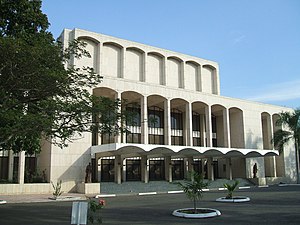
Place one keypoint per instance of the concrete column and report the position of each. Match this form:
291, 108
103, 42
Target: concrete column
99, 64
123, 64
144, 68
98, 168
188, 166
118, 169
202, 130
181, 76
198, 79
203, 167
272, 147
269, 132
168, 168
210, 169
188, 124
208, 126
163, 79
167, 121
145, 169
226, 128
123, 166
144, 120
118, 138
228, 169
21, 169
10, 165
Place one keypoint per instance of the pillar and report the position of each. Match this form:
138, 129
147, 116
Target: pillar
99, 59
228, 169
118, 169
273, 158
188, 124
210, 169
167, 121
145, 169
168, 168
144, 120
123, 64
10, 165
163, 79
123, 167
202, 130
188, 166
21, 169
98, 168
208, 126
198, 79
226, 128
119, 138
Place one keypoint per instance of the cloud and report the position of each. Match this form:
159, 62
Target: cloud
238, 39
278, 92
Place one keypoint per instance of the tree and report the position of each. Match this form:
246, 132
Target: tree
230, 189
41, 96
193, 188
290, 121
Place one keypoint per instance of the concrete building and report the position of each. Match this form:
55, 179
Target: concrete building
182, 122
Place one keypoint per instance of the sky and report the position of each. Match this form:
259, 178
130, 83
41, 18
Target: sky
255, 42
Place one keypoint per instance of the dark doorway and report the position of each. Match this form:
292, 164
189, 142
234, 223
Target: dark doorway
156, 169
107, 170
178, 170
216, 169
4, 168
197, 166
133, 170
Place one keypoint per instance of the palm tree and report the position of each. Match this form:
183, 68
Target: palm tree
231, 188
290, 120
193, 188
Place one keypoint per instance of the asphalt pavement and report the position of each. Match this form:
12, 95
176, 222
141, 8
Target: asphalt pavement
268, 205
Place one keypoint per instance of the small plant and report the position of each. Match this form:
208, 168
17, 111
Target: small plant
57, 189
93, 210
230, 189
193, 188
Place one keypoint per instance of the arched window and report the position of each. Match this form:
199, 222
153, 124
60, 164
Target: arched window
176, 119
133, 123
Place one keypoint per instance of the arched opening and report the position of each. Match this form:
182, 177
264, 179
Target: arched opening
219, 130
236, 124
178, 122
155, 69
156, 119
103, 138
112, 60
135, 64
209, 79
192, 77
175, 73
131, 101
199, 123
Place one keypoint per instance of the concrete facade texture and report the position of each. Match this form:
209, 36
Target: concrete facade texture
177, 84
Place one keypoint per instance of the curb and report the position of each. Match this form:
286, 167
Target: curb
180, 191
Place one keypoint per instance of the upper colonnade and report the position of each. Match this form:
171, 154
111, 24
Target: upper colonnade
113, 57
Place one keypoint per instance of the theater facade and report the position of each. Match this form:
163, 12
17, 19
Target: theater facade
182, 122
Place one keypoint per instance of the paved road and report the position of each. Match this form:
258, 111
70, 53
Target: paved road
273, 205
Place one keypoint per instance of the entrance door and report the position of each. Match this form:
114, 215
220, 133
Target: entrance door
107, 170
133, 170
197, 166
178, 170
216, 169
156, 169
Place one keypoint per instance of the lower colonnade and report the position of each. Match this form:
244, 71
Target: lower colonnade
138, 162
